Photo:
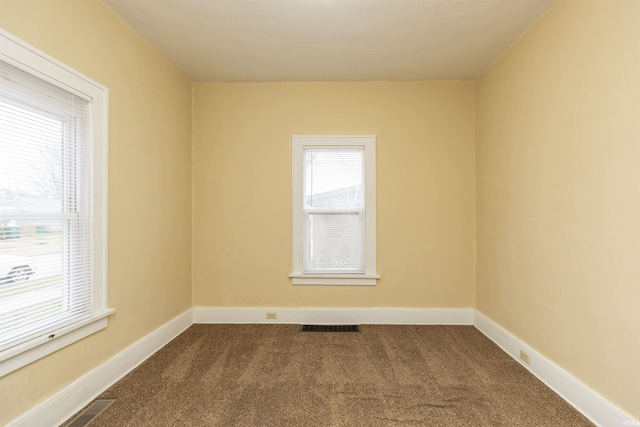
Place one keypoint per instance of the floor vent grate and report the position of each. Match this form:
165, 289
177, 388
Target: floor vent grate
91, 412
330, 328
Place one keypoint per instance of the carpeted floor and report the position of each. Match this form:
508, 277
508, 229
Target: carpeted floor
273, 375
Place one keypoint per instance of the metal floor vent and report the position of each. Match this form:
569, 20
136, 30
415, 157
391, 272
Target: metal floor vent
330, 328
91, 412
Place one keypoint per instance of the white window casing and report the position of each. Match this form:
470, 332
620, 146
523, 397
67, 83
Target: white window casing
334, 210
53, 205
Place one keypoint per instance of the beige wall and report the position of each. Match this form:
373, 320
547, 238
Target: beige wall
149, 183
558, 146
242, 190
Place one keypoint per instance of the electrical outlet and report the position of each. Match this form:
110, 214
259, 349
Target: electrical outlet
272, 315
524, 356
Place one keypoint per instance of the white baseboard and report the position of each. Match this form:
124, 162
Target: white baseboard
585, 400
74, 397
328, 316
61, 406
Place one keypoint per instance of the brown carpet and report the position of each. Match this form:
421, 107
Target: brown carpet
273, 375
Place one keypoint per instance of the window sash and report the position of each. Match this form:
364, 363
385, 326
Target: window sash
57, 300
313, 265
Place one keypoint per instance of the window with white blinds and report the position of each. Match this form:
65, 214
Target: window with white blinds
334, 210
52, 253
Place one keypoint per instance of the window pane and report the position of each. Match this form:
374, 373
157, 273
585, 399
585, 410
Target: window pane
333, 178
32, 283
334, 243
31, 160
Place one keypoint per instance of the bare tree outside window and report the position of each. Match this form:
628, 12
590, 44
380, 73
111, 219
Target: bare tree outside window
47, 179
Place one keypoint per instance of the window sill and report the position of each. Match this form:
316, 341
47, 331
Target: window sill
21, 355
334, 279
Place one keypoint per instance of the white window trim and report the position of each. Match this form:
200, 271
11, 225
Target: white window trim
24, 56
369, 277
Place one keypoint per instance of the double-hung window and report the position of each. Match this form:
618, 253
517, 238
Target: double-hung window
52, 205
334, 225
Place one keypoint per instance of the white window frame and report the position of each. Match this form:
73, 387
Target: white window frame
27, 58
369, 276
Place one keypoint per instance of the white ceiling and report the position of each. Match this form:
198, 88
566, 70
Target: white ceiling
326, 40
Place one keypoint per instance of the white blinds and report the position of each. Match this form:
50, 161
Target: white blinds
333, 208
45, 209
